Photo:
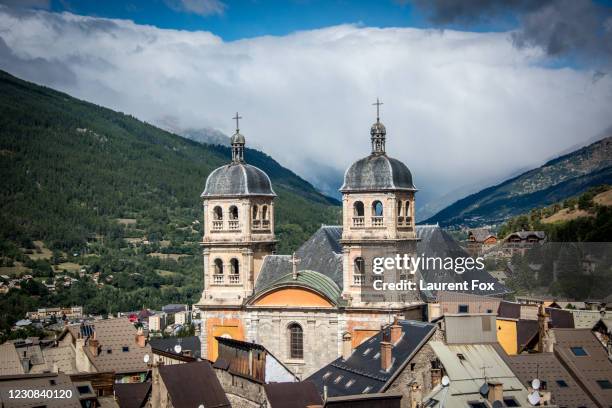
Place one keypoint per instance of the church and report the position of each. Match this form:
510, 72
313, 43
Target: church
303, 307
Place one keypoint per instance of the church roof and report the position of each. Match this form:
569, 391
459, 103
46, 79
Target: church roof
323, 253
238, 179
377, 172
361, 373
309, 280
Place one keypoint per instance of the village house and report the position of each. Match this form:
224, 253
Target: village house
479, 240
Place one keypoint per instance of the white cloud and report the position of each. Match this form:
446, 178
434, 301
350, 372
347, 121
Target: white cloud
459, 107
201, 7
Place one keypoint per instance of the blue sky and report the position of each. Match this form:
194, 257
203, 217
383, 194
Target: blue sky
252, 18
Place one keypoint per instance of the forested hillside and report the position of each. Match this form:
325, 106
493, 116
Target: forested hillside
556, 180
86, 190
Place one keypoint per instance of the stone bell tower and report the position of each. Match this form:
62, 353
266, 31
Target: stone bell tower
238, 227
378, 218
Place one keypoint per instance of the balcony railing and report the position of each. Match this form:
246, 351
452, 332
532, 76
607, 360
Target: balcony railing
359, 280
260, 225
378, 221
233, 224
358, 222
217, 225
234, 279
218, 279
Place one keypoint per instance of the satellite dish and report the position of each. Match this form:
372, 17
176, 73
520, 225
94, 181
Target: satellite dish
535, 384
178, 349
484, 390
445, 381
534, 398
498, 404
146, 358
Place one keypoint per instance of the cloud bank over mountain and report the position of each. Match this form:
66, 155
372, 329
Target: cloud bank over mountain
459, 107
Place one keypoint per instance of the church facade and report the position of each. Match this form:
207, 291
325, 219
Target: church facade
304, 307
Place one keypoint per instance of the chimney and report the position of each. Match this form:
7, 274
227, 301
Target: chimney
94, 345
140, 338
496, 392
347, 345
396, 331
542, 327
385, 355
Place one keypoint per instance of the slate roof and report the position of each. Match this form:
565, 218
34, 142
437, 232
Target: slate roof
191, 343
546, 367
590, 368
435, 242
133, 395
238, 179
481, 234
292, 394
377, 172
323, 253
361, 373
509, 310
192, 384
114, 334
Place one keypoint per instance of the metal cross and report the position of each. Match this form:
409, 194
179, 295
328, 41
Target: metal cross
294, 261
237, 118
378, 103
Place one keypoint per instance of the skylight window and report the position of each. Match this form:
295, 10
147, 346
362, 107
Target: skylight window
349, 383
605, 384
460, 356
365, 353
578, 351
562, 384
511, 402
326, 375
337, 380
125, 349
366, 390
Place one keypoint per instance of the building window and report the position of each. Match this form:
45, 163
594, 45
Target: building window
255, 211
464, 308
125, 349
358, 209
217, 213
377, 209
218, 267
407, 208
359, 266
399, 208
234, 266
233, 212
511, 402
578, 351
296, 341
562, 384
264, 212
605, 384
476, 404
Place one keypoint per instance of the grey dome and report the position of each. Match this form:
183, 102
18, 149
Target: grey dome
238, 179
377, 172
237, 138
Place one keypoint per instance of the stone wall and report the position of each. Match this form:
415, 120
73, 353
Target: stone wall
240, 390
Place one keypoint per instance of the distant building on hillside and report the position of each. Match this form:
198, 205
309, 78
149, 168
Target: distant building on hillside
521, 241
479, 240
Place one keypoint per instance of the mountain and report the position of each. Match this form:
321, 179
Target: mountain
556, 180
105, 209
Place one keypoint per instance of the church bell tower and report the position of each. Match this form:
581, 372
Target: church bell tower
378, 221
238, 204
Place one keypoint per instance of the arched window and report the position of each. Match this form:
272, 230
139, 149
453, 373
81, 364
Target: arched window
399, 208
218, 267
407, 208
377, 209
359, 266
358, 209
255, 211
233, 212
264, 212
234, 266
296, 341
217, 213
